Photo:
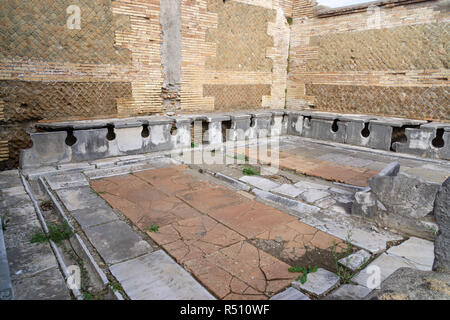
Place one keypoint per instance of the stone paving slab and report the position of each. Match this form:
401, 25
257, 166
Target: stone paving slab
335, 221
387, 265
116, 242
80, 198
15, 201
241, 271
193, 238
301, 208
416, 250
67, 180
155, 276
20, 216
6, 290
250, 218
287, 190
260, 183
356, 260
318, 283
25, 258
9, 179
349, 292
312, 196
48, 285
95, 216
290, 294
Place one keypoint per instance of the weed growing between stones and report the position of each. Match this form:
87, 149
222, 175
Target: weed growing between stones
250, 171
345, 274
57, 232
153, 228
305, 271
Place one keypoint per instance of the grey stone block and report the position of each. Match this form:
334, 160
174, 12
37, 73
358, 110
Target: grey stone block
411, 284
116, 242
49, 148
182, 137
156, 276
80, 198
420, 142
261, 183
441, 213
355, 260
94, 216
67, 180
287, 190
379, 269
278, 125
129, 140
49, 285
295, 124
27, 259
6, 289
240, 128
322, 130
380, 136
290, 294
159, 138
403, 195
318, 283
354, 133
237, 184
300, 208
349, 292
418, 251
93, 144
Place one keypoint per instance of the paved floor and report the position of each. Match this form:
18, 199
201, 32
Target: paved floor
211, 230
33, 267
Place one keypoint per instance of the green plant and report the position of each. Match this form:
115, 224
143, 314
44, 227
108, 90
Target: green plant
193, 145
305, 271
153, 228
56, 233
250, 171
88, 296
289, 20
345, 274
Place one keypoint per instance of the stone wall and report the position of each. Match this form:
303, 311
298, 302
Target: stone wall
390, 59
79, 59
73, 58
230, 47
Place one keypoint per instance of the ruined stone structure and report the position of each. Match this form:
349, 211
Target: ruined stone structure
72, 59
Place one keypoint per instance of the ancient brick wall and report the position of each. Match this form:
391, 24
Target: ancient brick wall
392, 59
73, 58
234, 54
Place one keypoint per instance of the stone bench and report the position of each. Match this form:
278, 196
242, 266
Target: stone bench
411, 136
78, 141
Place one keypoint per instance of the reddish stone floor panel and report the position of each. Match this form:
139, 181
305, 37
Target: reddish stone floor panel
241, 270
251, 217
194, 238
317, 168
211, 198
171, 181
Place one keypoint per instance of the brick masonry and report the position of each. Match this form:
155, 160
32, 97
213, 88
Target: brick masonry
389, 61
